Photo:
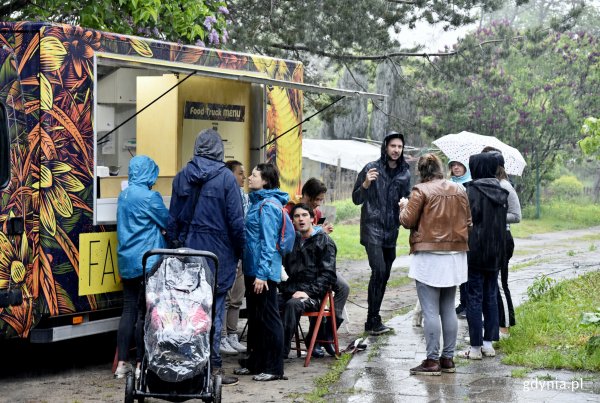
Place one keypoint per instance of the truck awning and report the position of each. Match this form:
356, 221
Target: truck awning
116, 60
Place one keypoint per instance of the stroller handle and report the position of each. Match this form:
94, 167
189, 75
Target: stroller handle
180, 252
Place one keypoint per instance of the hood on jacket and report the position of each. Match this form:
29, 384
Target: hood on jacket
262, 194
201, 169
466, 177
384, 157
483, 165
143, 171
209, 145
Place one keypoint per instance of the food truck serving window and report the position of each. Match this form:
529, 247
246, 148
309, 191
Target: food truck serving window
4, 148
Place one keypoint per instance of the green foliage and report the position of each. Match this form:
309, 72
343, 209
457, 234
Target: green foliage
519, 372
346, 210
590, 318
548, 334
341, 26
557, 216
566, 187
347, 240
541, 285
590, 145
529, 88
189, 21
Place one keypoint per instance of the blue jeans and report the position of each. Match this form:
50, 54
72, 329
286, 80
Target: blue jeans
218, 320
482, 290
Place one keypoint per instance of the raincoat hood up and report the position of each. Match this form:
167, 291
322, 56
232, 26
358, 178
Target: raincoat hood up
488, 202
217, 218
141, 215
379, 221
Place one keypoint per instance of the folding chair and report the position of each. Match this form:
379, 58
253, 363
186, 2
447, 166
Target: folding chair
327, 310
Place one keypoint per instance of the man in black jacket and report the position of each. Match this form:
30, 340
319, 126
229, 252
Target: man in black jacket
379, 187
311, 270
488, 202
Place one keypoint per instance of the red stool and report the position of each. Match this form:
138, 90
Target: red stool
327, 310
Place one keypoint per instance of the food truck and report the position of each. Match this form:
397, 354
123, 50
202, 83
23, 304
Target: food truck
75, 105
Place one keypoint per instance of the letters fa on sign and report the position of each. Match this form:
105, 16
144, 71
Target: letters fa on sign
98, 271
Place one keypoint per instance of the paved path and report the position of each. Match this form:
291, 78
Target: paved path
381, 374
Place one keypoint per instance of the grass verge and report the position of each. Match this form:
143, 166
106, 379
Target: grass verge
326, 381
548, 332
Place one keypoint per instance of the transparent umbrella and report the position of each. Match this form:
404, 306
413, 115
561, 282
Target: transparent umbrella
460, 146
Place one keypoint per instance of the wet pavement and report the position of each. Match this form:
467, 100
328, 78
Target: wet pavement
381, 373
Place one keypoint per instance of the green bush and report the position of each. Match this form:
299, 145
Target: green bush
345, 210
566, 187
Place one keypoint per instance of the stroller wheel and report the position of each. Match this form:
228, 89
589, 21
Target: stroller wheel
129, 387
217, 389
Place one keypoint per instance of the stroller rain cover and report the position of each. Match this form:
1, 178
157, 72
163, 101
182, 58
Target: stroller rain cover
178, 317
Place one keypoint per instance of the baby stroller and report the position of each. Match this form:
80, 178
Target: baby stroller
180, 303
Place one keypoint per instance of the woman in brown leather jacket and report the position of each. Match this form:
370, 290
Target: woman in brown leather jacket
439, 218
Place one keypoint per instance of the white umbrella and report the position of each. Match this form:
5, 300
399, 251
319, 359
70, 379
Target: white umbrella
461, 146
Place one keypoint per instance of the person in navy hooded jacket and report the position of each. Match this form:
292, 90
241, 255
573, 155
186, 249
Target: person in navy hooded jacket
215, 222
141, 218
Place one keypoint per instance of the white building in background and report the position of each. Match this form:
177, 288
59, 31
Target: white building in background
336, 162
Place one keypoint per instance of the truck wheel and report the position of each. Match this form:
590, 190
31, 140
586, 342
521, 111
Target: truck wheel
217, 389
129, 387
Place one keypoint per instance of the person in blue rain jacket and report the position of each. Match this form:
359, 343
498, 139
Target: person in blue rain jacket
262, 273
141, 219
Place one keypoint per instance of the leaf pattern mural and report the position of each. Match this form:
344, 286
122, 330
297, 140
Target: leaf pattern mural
47, 80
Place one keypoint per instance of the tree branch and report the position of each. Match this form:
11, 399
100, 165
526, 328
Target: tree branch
303, 48
402, 2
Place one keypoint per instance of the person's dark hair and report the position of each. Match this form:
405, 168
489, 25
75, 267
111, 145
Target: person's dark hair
313, 187
270, 174
232, 164
430, 167
303, 206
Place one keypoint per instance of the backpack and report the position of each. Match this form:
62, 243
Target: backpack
287, 236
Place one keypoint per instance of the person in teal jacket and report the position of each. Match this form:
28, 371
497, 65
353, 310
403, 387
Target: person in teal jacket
141, 220
262, 273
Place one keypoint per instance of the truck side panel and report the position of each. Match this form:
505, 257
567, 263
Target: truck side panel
52, 178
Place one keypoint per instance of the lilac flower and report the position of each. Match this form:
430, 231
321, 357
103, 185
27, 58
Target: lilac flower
225, 36
208, 21
223, 10
213, 37
200, 43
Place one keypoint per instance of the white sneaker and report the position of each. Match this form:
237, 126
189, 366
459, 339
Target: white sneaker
233, 341
488, 352
225, 348
122, 370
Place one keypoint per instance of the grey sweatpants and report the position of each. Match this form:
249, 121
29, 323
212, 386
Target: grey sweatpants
438, 303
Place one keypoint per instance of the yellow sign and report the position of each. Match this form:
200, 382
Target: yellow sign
98, 271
